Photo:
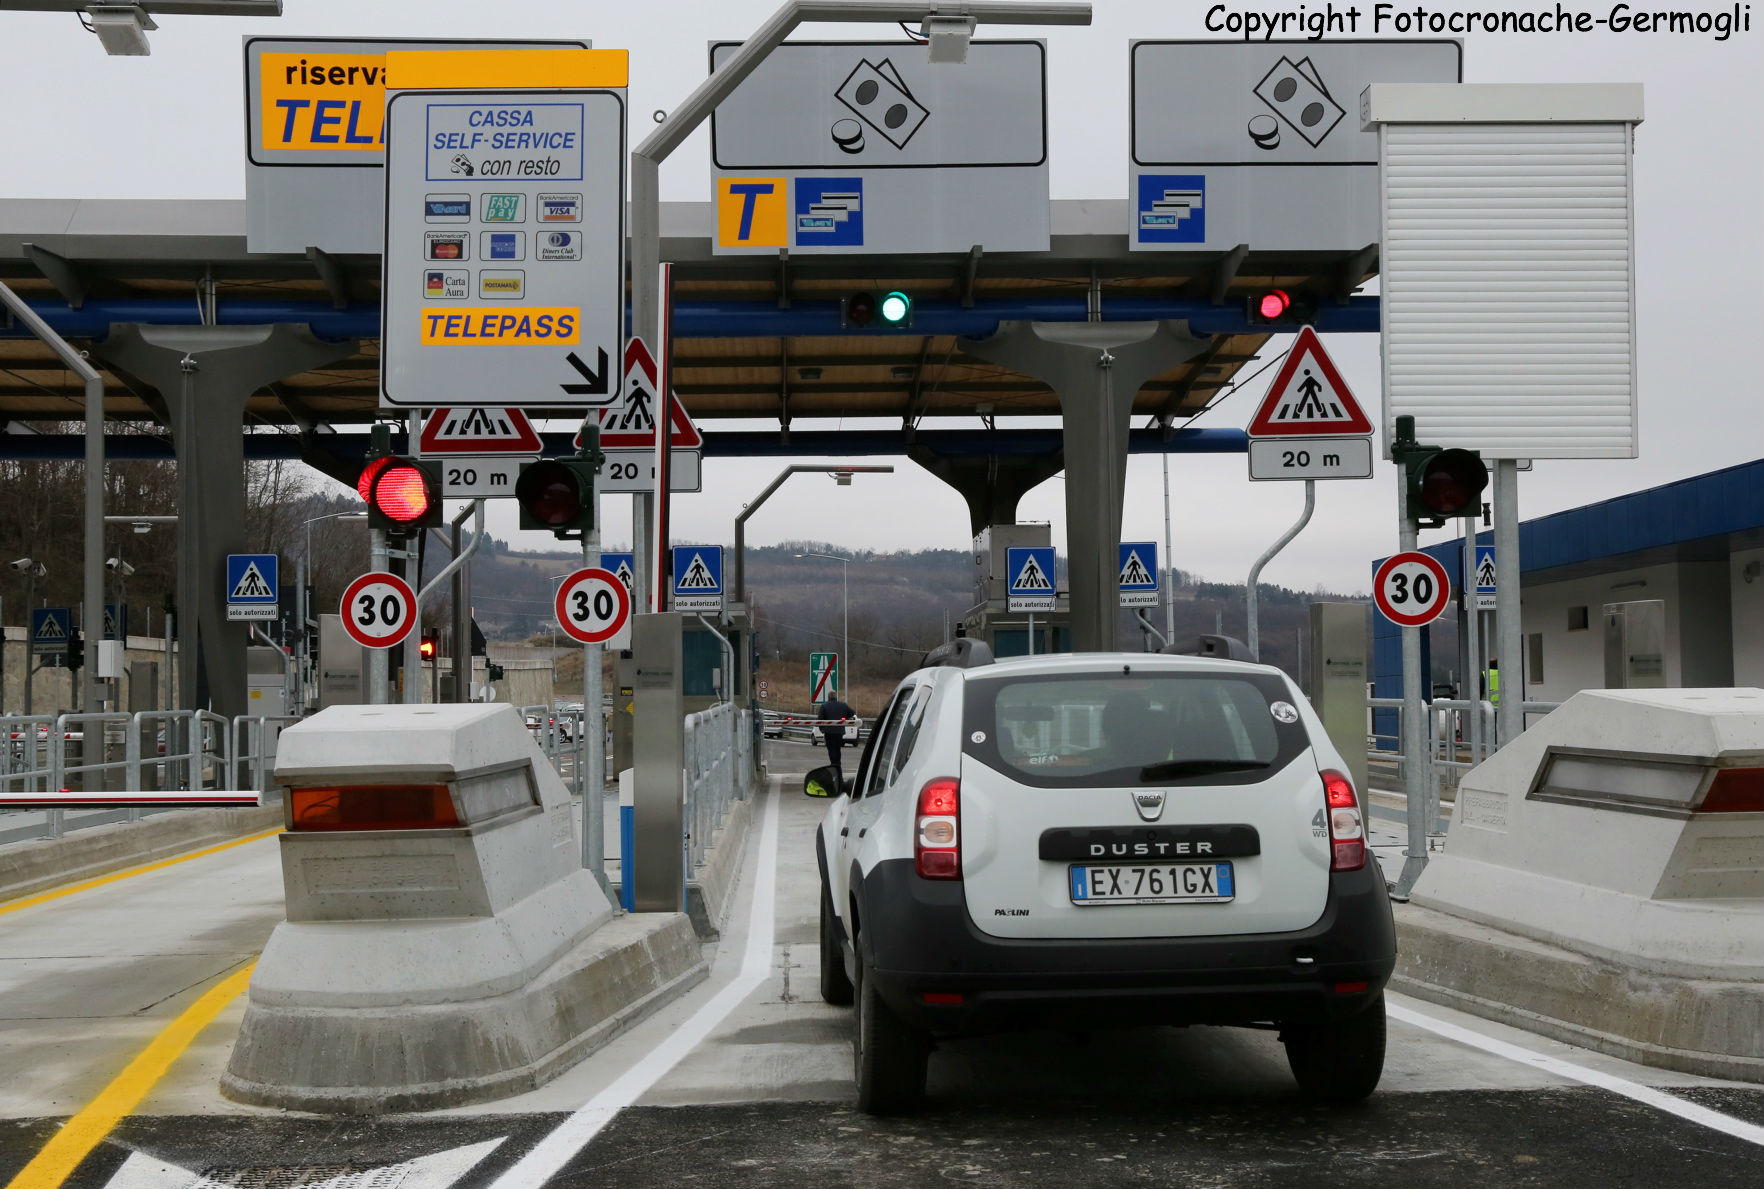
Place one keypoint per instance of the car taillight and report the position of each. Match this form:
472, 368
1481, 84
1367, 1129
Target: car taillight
373, 807
1734, 790
1347, 830
937, 840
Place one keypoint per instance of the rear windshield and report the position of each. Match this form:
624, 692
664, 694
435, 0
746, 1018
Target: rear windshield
1130, 729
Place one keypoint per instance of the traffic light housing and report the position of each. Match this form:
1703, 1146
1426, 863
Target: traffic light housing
882, 309
76, 650
558, 493
403, 494
1442, 482
430, 645
1280, 308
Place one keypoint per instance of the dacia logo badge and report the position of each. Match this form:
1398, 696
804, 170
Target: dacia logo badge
1149, 804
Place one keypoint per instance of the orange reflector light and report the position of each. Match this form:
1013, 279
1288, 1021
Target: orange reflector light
1735, 790
943, 998
1350, 988
374, 807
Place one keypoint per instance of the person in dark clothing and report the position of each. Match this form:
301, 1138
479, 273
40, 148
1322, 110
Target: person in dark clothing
834, 733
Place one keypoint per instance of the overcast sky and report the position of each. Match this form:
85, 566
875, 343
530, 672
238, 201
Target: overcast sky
81, 124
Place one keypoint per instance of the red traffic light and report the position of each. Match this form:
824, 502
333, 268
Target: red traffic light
860, 309
1274, 304
551, 494
400, 493
430, 643
1451, 482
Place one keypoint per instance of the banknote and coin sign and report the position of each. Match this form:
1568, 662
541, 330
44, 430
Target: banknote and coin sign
876, 94
1295, 93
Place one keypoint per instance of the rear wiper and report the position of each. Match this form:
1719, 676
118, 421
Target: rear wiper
1171, 769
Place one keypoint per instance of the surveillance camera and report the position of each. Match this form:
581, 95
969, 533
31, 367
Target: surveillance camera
117, 565
22, 565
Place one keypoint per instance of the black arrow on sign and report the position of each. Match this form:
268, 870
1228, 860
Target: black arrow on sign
596, 385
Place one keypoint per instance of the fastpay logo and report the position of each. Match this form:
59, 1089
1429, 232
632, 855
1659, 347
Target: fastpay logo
322, 102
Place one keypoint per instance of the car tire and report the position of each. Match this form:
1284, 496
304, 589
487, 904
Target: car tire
1338, 1062
836, 988
888, 1054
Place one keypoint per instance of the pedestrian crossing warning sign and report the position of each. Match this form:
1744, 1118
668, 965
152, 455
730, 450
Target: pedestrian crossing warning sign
251, 585
1032, 578
1139, 574
1309, 398
698, 577
49, 630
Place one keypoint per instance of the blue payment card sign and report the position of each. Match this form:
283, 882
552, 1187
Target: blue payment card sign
698, 577
251, 585
1031, 571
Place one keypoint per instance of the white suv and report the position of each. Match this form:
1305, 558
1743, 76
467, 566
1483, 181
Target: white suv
1101, 839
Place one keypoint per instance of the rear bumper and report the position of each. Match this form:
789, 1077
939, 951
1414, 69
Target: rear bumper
918, 939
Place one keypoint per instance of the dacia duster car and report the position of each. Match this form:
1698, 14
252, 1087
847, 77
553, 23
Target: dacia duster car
1095, 840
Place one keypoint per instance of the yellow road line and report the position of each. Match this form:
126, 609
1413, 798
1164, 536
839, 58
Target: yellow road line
58, 893
80, 1134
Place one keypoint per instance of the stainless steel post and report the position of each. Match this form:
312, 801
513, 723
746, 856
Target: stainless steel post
378, 663
1169, 574
593, 782
1255, 574
659, 743
1509, 630
1472, 692
1416, 765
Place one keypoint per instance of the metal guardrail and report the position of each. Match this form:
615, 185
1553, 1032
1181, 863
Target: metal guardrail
719, 771
1448, 738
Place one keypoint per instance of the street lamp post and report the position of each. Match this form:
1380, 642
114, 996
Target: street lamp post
301, 609
845, 656
841, 474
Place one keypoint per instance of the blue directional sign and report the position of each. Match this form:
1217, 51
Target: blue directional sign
625, 566
1139, 573
1031, 573
698, 577
1485, 577
50, 629
251, 585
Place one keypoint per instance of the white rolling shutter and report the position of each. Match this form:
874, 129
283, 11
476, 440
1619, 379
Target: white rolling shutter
1508, 286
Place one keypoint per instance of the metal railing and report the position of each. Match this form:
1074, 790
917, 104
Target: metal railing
719, 771
253, 761
1449, 751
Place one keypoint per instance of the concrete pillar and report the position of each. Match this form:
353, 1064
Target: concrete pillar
1096, 369
992, 484
205, 374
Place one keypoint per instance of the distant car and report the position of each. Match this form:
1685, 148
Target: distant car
564, 725
1101, 840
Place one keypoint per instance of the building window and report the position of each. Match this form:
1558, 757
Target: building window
1577, 621
1534, 657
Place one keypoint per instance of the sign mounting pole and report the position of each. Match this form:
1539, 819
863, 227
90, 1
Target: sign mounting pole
1255, 574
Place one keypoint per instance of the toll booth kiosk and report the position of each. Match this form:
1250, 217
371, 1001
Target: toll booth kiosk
990, 619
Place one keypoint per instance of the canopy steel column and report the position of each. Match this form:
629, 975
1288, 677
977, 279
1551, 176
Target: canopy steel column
1096, 369
205, 374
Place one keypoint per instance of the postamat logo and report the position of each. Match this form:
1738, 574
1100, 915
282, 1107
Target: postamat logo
322, 102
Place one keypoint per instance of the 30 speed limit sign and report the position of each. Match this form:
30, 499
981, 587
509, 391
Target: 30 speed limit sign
1411, 589
378, 610
593, 606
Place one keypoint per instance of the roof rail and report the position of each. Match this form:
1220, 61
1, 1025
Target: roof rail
1224, 647
964, 652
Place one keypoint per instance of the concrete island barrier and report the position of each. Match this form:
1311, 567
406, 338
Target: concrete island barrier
443, 945
1603, 882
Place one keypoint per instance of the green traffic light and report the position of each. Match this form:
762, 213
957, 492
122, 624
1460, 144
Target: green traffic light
897, 307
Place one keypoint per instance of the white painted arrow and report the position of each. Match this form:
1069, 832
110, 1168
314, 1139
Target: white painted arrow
439, 1171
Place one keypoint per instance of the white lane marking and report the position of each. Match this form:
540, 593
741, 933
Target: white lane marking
1647, 1095
550, 1155
438, 1171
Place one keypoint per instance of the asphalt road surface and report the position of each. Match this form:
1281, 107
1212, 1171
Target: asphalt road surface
746, 1081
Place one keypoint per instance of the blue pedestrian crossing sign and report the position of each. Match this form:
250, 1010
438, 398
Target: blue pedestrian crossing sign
698, 577
625, 566
116, 621
1139, 573
50, 629
251, 585
1485, 578
1031, 571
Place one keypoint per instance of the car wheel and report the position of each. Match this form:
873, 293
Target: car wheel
835, 986
889, 1055
1341, 1061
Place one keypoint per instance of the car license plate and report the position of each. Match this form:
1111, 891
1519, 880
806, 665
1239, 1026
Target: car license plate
1165, 883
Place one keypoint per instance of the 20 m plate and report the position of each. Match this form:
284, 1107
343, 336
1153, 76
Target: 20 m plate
1310, 458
